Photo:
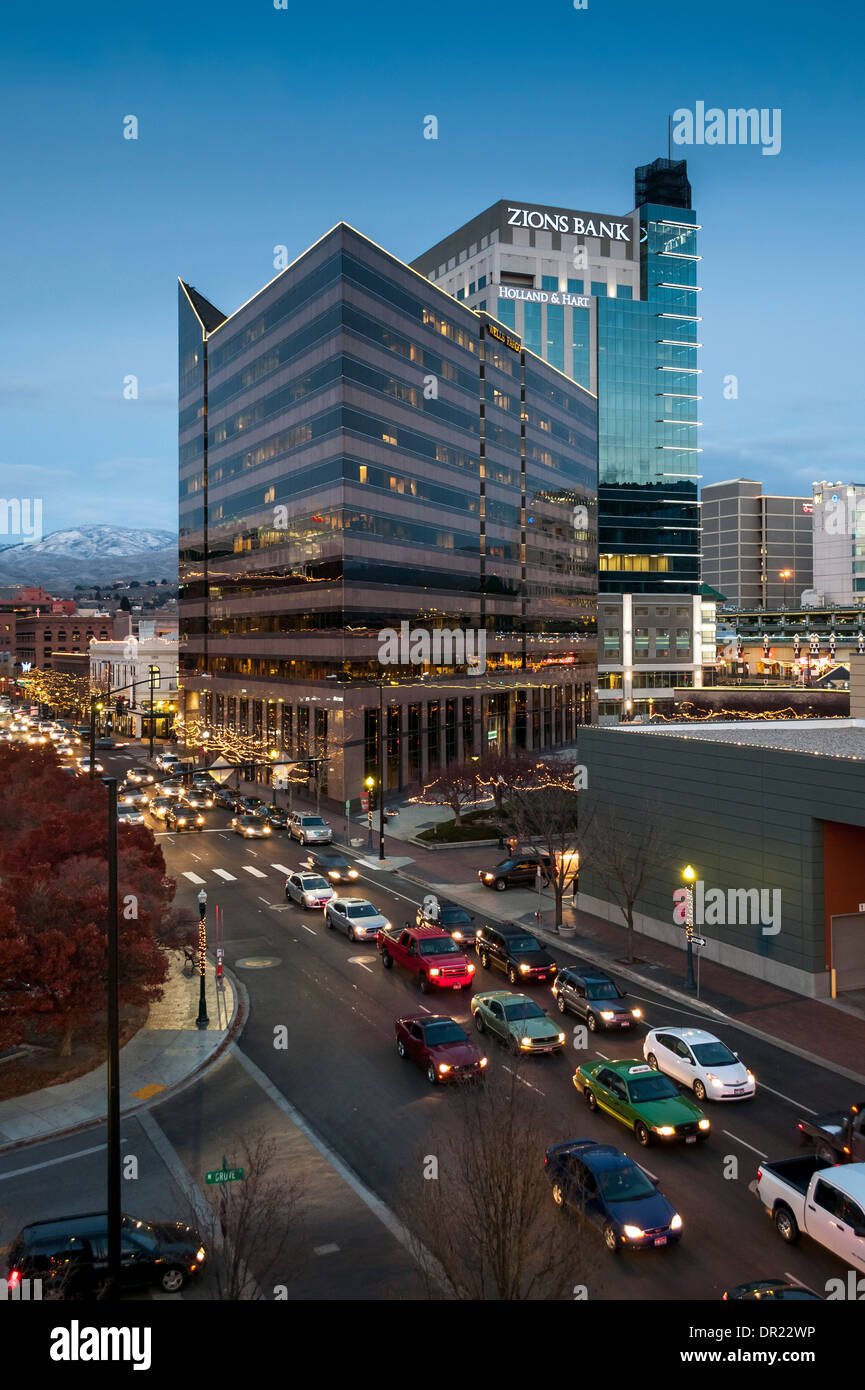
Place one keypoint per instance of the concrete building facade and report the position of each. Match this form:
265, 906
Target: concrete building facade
757, 547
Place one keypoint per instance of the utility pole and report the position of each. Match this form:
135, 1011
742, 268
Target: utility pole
152, 679
382, 761
113, 1098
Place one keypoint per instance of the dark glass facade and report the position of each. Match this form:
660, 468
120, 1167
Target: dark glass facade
357, 452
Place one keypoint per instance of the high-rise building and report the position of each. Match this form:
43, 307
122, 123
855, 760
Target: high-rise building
375, 483
611, 300
839, 542
756, 546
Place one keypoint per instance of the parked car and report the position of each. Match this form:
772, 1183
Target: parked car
277, 817
181, 817
520, 871
701, 1062
441, 912
250, 827
70, 1255
612, 1192
515, 951
332, 864
440, 1046
359, 919
308, 890
642, 1099
804, 1196
309, 830
595, 998
838, 1137
516, 1020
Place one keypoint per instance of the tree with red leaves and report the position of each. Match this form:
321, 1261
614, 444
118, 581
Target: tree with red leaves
54, 876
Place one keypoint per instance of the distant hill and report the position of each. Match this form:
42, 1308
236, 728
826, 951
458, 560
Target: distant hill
91, 555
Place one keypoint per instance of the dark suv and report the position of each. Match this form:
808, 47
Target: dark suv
596, 998
518, 872
440, 912
70, 1255
516, 952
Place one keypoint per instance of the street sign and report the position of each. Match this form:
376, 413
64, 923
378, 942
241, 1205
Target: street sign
364, 801
224, 1175
347, 806
698, 940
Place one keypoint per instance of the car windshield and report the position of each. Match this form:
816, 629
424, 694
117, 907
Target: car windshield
602, 989
625, 1184
247, 820
451, 916
523, 943
438, 945
651, 1088
312, 881
362, 910
714, 1054
312, 820
449, 1032
529, 1009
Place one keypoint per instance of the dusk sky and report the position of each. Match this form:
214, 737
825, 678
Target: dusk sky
260, 127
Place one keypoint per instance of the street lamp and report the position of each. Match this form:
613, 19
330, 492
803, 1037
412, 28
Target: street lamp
202, 1020
369, 783
689, 874
784, 575
381, 770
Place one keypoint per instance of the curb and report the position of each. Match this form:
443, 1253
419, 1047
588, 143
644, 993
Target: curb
235, 1028
552, 939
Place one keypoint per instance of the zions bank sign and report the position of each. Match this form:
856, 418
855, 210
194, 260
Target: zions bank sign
571, 223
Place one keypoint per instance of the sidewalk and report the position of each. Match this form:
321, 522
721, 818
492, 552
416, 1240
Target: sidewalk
166, 1052
827, 1030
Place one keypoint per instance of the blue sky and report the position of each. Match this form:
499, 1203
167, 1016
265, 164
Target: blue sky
260, 127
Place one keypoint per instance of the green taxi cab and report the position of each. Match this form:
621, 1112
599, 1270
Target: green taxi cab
643, 1099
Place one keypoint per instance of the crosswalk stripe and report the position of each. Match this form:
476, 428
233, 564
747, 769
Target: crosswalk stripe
223, 873
193, 878
282, 869
250, 869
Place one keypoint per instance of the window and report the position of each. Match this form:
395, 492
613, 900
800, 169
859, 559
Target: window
482, 283
825, 1197
599, 289
641, 640
683, 638
507, 312
575, 287
662, 642
482, 304
472, 287
461, 294
624, 292
556, 336
550, 282
532, 328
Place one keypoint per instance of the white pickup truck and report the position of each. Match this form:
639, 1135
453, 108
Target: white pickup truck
804, 1196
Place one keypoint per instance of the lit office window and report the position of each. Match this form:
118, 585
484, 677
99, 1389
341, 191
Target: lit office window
507, 312
556, 336
532, 328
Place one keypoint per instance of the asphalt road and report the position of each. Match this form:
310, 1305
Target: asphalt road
342, 1073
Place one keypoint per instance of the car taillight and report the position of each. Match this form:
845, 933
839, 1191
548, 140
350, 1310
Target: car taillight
759, 1174
14, 1279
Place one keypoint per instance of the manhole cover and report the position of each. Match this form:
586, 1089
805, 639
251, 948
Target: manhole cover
257, 962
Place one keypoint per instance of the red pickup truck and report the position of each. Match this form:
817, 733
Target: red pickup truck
430, 954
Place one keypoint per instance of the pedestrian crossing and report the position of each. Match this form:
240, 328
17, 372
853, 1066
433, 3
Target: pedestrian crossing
282, 869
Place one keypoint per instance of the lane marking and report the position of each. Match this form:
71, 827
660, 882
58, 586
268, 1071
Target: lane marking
758, 1152
264, 900
256, 873
223, 873
798, 1282
799, 1106
306, 928
282, 869
51, 1162
193, 878
523, 1080
359, 960
602, 1054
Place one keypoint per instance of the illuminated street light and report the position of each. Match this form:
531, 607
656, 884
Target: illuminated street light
689, 874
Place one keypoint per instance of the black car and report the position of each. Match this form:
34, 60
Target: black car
277, 817
595, 998
250, 806
226, 799
515, 951
330, 863
182, 817
438, 912
521, 871
105, 743
770, 1290
70, 1255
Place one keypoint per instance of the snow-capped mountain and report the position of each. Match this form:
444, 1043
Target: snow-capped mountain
91, 555
94, 543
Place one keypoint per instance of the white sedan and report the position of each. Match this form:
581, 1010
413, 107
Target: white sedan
701, 1062
356, 917
308, 890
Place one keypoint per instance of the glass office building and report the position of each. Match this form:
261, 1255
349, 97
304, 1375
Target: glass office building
360, 454
611, 300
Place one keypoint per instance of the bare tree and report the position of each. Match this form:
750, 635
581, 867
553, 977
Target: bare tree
546, 821
456, 787
622, 855
481, 1213
252, 1230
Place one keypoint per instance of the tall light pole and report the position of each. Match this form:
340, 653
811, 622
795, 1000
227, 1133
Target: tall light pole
784, 575
202, 1020
151, 676
689, 874
381, 771
369, 783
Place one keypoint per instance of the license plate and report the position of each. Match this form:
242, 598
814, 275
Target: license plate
738, 1090
456, 986
690, 1138
624, 1023
660, 1240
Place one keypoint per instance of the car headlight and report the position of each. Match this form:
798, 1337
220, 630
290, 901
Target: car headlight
524, 969
676, 1223
443, 1067
470, 969
607, 1014
387, 926
181, 820
352, 873
199, 820
633, 1232
636, 1013
435, 970
483, 1062
666, 1130
199, 1254
525, 1042
561, 1037
488, 878
333, 873
752, 1077
703, 1124
457, 935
